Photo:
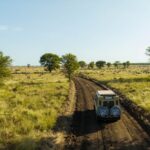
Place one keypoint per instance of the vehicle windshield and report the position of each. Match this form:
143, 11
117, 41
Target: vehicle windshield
108, 104
108, 97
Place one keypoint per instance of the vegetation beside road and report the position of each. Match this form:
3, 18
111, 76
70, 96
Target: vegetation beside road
32, 100
134, 82
29, 107
5, 62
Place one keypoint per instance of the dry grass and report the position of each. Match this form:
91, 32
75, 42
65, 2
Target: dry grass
134, 82
29, 107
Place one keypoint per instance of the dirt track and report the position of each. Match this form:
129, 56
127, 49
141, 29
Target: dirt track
89, 134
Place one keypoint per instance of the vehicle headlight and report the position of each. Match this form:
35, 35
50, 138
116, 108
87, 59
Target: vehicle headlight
115, 111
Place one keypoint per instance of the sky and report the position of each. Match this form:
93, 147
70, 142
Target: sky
110, 30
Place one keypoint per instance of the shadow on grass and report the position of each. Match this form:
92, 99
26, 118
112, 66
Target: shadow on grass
81, 123
50, 144
33, 144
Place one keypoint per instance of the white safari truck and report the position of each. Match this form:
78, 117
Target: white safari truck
106, 104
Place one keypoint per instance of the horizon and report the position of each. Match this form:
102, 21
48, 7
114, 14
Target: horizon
110, 31
131, 63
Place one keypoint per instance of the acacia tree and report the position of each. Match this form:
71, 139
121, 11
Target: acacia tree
82, 64
50, 61
126, 64
5, 62
116, 64
70, 64
91, 65
100, 64
108, 64
148, 51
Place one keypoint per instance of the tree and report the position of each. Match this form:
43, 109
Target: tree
148, 51
5, 62
100, 64
28, 65
50, 61
116, 64
82, 64
70, 64
126, 64
108, 64
91, 65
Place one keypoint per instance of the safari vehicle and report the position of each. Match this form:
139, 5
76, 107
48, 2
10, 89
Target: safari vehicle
106, 104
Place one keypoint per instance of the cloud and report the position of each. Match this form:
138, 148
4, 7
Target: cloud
3, 27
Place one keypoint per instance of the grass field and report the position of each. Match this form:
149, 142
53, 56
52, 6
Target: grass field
29, 107
134, 82
32, 99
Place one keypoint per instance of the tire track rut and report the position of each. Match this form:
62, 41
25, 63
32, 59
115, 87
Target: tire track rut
89, 134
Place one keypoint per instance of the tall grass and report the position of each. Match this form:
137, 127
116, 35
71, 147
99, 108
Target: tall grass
29, 107
134, 82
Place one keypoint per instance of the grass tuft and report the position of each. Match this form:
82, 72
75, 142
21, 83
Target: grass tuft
29, 106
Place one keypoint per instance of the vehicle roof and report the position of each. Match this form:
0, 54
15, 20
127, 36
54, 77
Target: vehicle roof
105, 92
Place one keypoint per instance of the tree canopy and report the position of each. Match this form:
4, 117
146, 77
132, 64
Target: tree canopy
148, 51
108, 64
5, 62
126, 64
82, 64
116, 64
50, 61
70, 64
100, 64
91, 65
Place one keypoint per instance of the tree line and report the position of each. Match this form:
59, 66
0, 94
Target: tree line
100, 64
53, 61
50, 62
68, 62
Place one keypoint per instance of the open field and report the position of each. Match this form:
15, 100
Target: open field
26, 70
29, 107
32, 102
134, 82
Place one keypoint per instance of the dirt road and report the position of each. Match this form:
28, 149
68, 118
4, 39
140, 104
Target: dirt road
89, 134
